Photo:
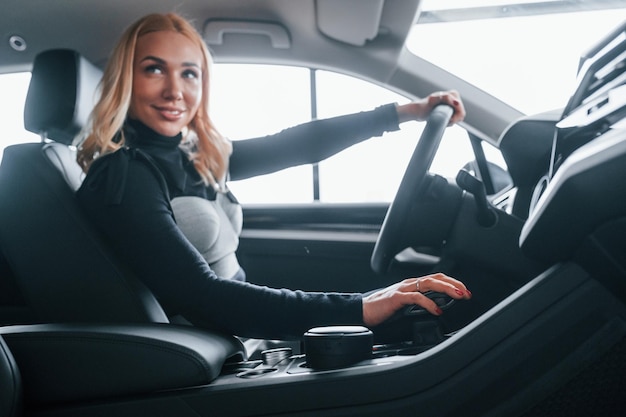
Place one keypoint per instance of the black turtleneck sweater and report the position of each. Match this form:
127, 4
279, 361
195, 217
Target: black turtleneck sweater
127, 195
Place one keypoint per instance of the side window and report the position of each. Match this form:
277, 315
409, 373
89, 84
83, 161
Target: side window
255, 100
250, 101
455, 151
369, 171
14, 88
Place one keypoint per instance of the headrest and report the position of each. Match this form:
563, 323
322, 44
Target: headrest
61, 94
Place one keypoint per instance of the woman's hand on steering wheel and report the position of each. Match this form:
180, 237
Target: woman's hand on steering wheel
420, 109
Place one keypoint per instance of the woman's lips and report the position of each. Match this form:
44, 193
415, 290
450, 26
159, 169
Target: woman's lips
170, 114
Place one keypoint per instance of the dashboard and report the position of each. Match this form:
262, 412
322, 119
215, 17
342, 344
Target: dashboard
577, 203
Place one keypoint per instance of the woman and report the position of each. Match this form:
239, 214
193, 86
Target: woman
154, 161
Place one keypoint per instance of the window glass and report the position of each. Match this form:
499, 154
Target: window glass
248, 101
526, 55
14, 87
369, 171
494, 155
254, 100
455, 151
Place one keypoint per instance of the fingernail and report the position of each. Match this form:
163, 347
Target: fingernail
439, 311
469, 293
459, 292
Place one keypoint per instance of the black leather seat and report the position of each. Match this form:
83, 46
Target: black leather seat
65, 364
62, 268
93, 331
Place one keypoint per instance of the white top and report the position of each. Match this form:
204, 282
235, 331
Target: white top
213, 228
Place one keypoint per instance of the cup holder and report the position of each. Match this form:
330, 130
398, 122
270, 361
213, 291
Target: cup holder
335, 347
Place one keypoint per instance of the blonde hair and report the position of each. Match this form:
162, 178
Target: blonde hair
208, 150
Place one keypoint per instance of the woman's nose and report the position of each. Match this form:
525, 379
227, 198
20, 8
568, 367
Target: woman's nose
173, 89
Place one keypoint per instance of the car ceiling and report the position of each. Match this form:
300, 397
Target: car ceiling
317, 33
92, 27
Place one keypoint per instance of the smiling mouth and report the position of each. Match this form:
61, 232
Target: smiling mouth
170, 114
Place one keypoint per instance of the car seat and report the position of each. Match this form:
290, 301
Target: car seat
61, 267
54, 365
93, 331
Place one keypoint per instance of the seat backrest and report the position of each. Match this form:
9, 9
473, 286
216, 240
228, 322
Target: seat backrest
63, 269
13, 308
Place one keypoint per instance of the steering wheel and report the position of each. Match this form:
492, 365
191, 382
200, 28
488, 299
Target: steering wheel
411, 190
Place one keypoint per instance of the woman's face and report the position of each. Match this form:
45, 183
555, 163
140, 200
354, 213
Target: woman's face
167, 81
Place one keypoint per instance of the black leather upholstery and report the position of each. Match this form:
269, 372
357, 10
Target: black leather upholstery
74, 363
63, 269
10, 383
66, 274
61, 94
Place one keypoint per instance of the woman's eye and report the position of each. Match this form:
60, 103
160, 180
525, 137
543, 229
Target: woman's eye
190, 74
153, 69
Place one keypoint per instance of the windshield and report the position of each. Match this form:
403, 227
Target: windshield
525, 54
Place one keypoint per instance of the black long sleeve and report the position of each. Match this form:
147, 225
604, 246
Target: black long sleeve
136, 218
309, 142
127, 196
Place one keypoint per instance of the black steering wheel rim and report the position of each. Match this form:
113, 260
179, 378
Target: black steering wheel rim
388, 243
